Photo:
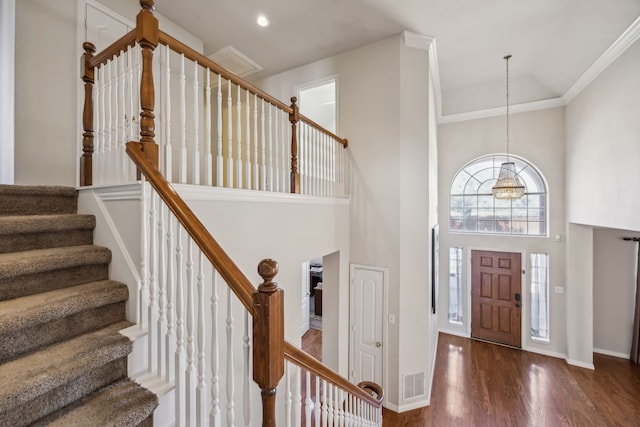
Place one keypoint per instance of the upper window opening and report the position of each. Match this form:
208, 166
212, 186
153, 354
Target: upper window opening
473, 209
317, 101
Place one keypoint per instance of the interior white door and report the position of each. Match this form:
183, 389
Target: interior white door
367, 321
304, 304
103, 27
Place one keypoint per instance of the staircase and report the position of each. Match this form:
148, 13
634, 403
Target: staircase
62, 360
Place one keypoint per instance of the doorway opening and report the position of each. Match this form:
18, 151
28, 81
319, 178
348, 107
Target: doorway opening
311, 306
496, 297
317, 101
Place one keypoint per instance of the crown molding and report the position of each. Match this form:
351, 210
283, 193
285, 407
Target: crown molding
622, 43
428, 43
501, 111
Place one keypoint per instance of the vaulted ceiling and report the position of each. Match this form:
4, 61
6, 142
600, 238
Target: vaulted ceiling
553, 42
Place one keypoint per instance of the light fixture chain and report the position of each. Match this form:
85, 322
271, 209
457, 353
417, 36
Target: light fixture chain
507, 61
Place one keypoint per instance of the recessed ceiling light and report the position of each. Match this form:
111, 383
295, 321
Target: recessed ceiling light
263, 21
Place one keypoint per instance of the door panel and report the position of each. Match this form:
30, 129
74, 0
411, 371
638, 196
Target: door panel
495, 312
367, 292
304, 303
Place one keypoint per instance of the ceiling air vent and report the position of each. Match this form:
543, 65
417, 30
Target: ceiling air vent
413, 385
235, 61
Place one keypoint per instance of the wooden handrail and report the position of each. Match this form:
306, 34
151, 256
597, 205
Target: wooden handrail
236, 280
311, 123
309, 363
114, 48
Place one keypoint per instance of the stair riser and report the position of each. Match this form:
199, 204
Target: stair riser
26, 242
26, 204
29, 339
47, 281
62, 396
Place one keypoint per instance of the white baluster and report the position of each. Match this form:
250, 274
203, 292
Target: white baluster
207, 123
220, 162
168, 149
171, 278
325, 406
182, 158
304, 158
317, 404
180, 351
330, 403
276, 155
107, 123
190, 312
144, 254
263, 137
316, 162
201, 405
229, 137
153, 268
297, 411
247, 142
255, 143
122, 155
307, 402
341, 412
214, 418
99, 114
246, 345
270, 142
239, 140
196, 131
160, 272
230, 373
287, 397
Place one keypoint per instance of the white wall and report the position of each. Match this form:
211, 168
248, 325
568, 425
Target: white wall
538, 137
384, 112
603, 148
614, 290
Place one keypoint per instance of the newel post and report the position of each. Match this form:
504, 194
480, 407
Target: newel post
147, 37
86, 161
268, 339
294, 117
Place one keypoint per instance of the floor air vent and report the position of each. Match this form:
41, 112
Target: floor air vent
413, 385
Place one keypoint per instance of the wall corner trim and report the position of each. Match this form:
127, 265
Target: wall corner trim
417, 41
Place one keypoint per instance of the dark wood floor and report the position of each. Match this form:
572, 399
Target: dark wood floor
312, 343
482, 384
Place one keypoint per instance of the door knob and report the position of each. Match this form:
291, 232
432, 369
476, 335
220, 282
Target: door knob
378, 344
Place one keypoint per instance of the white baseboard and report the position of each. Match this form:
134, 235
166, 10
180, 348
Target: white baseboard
454, 332
611, 353
545, 352
407, 407
580, 364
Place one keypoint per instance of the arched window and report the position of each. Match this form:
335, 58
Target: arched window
473, 209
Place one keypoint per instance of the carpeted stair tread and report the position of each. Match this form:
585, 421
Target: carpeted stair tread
40, 223
123, 403
37, 200
33, 375
16, 264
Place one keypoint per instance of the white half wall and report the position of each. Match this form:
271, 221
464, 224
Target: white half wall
7, 89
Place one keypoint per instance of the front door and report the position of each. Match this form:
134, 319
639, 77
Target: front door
496, 299
367, 319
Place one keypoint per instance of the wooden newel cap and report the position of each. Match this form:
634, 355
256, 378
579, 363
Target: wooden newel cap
267, 269
148, 5
89, 47
294, 100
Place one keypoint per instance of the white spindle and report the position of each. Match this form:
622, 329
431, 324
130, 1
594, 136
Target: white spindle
316, 405
325, 406
263, 181
190, 312
182, 158
255, 143
180, 351
297, 410
307, 402
201, 405
276, 154
122, 155
144, 253
239, 140
196, 131
214, 418
160, 272
168, 149
340, 404
108, 123
247, 143
230, 373
153, 268
207, 123
171, 279
229, 137
287, 395
286, 151
220, 162
246, 381
316, 162
270, 142
331, 404
100, 117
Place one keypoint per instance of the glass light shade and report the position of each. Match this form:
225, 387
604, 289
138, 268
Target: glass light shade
508, 185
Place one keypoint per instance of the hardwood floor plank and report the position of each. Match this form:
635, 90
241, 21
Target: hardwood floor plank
481, 384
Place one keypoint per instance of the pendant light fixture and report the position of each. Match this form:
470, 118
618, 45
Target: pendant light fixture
508, 186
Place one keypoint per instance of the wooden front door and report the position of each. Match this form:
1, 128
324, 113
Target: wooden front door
496, 299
